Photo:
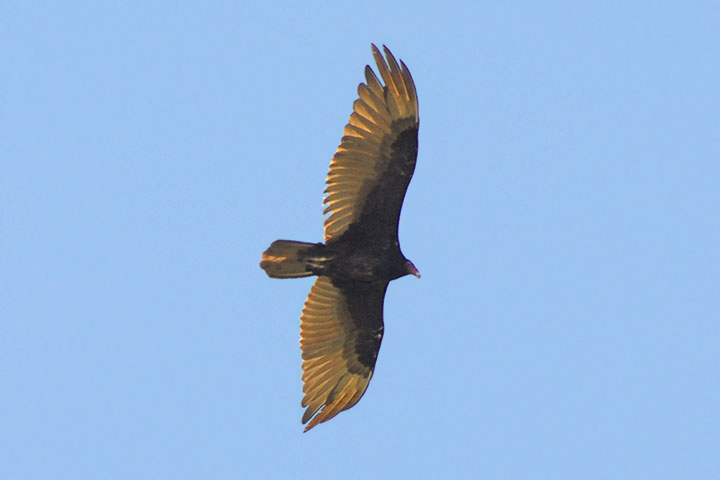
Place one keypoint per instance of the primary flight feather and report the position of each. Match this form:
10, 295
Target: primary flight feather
341, 326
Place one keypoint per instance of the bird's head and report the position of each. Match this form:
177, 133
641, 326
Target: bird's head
411, 269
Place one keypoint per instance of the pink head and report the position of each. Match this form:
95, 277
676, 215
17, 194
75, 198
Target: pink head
411, 269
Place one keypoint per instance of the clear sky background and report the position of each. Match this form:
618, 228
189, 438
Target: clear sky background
564, 215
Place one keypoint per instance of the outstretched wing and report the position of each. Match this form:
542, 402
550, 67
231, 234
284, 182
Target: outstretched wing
341, 331
370, 172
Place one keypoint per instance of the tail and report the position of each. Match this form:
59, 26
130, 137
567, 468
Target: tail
289, 259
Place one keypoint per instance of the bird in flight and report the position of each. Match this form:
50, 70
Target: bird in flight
341, 327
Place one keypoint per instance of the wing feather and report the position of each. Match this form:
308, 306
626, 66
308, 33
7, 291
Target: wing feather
340, 335
376, 157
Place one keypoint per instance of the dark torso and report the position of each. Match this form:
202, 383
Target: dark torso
357, 262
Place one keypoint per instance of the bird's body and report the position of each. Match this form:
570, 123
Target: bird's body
346, 261
342, 322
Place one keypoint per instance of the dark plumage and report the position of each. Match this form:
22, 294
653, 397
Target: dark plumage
342, 322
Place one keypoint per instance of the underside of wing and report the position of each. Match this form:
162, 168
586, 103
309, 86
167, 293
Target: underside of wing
372, 167
341, 331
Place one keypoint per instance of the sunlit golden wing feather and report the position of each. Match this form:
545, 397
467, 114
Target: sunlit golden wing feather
372, 167
341, 331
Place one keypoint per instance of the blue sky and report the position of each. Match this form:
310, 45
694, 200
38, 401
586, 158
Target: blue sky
563, 215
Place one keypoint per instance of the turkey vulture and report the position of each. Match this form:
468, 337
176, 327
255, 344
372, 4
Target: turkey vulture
342, 321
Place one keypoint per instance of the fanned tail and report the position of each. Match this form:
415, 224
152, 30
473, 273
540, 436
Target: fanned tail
289, 259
